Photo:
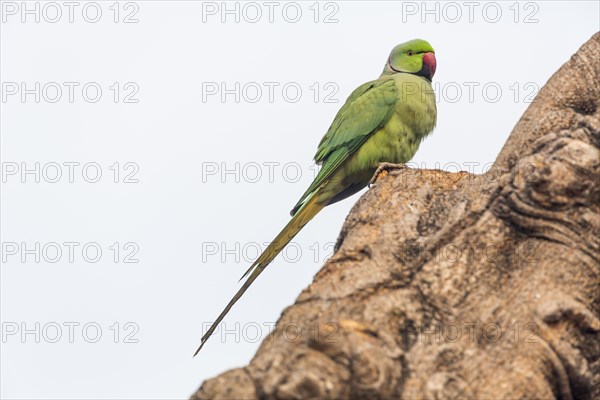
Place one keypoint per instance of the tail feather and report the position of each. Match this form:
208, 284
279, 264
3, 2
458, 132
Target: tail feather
307, 211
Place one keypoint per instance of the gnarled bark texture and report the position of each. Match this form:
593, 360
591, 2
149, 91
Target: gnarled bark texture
452, 285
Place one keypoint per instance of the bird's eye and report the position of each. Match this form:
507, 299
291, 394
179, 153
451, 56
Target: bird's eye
410, 53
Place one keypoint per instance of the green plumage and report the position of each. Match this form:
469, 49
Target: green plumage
384, 120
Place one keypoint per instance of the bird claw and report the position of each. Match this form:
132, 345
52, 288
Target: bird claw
383, 170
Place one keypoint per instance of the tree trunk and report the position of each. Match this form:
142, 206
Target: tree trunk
453, 285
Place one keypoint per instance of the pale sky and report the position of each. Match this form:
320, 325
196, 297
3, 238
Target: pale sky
150, 148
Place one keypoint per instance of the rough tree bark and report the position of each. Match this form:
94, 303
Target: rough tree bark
452, 285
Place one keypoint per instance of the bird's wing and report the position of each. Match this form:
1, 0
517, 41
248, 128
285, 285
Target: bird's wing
368, 108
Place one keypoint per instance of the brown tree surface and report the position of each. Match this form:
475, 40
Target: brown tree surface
452, 285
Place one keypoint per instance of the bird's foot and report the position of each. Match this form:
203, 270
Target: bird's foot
383, 170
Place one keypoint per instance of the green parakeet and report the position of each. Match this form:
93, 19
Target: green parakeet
383, 121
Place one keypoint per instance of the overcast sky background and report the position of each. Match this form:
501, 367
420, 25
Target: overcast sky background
193, 228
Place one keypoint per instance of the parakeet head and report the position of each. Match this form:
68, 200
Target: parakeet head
413, 57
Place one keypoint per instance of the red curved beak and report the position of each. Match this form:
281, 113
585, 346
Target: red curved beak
429, 61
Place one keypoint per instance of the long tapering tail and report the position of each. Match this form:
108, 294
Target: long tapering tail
307, 211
